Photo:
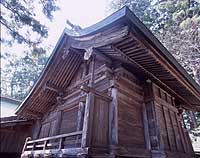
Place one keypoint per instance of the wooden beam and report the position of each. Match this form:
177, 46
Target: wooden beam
68, 151
34, 114
52, 87
88, 89
153, 77
109, 36
98, 52
122, 151
55, 137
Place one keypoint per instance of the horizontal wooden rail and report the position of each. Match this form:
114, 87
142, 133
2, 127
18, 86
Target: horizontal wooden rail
55, 137
44, 143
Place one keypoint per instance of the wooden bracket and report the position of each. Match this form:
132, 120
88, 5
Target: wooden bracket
37, 115
88, 89
53, 87
107, 59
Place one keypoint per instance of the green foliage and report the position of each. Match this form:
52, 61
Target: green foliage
143, 10
19, 19
22, 72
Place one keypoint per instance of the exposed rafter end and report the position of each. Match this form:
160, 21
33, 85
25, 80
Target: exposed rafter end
36, 115
52, 87
99, 53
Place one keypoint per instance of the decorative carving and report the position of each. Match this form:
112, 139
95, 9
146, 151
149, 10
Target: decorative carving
88, 53
65, 53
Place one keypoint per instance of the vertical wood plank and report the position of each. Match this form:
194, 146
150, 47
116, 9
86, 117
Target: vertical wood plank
45, 145
181, 135
88, 119
113, 117
168, 139
60, 144
24, 147
174, 134
146, 128
33, 148
37, 129
185, 140
80, 118
59, 117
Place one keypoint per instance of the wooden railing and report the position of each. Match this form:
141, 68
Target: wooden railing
58, 142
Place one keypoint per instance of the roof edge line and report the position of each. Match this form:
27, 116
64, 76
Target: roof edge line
156, 43
46, 67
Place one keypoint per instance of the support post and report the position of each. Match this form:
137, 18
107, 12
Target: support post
113, 117
157, 148
24, 148
146, 128
89, 108
80, 119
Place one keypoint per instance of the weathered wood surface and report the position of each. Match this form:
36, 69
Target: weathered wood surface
130, 110
116, 114
12, 138
175, 138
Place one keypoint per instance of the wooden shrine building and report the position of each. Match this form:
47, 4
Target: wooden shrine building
113, 90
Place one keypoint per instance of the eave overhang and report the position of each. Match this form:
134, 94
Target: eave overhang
149, 55
123, 37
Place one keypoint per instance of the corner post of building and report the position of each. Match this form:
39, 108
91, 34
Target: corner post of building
89, 108
152, 130
113, 116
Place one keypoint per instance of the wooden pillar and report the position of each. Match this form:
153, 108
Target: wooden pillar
156, 143
113, 118
89, 108
58, 126
146, 128
80, 119
80, 116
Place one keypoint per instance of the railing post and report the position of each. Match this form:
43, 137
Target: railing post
45, 144
60, 143
27, 139
33, 147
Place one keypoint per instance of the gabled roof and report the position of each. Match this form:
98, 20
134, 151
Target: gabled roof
121, 36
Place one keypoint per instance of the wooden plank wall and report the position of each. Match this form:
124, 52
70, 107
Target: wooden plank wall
130, 115
174, 137
68, 116
100, 123
61, 119
12, 138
